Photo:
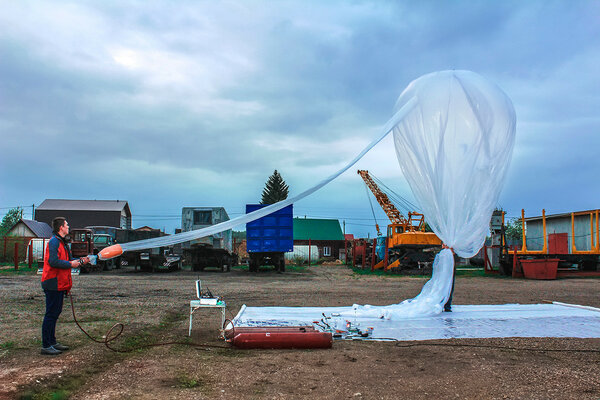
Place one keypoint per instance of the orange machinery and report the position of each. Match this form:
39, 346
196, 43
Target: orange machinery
407, 243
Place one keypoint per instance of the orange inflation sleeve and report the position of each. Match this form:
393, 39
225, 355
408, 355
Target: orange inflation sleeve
111, 252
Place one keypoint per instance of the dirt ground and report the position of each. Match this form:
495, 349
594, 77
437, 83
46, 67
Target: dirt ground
154, 307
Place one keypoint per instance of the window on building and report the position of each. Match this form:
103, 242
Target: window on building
202, 217
326, 251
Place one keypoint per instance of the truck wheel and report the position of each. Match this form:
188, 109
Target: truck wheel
109, 264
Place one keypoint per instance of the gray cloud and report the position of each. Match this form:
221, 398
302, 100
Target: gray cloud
178, 103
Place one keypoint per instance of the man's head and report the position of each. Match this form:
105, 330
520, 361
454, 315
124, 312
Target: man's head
60, 226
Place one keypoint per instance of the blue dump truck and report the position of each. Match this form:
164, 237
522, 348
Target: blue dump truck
269, 238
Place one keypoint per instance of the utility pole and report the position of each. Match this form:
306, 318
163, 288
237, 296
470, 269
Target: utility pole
345, 246
33, 211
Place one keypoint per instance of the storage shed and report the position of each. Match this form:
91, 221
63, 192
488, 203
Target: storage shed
82, 213
31, 229
326, 234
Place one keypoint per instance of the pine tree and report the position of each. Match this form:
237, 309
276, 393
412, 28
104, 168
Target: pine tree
275, 189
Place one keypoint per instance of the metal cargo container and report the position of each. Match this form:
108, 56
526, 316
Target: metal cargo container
270, 237
274, 232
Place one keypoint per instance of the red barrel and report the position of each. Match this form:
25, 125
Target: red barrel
283, 340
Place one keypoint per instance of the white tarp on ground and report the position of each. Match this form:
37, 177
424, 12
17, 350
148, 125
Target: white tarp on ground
469, 321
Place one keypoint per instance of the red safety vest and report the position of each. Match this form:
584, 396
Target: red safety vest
62, 275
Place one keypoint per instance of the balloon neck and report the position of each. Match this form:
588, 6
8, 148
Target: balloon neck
445, 246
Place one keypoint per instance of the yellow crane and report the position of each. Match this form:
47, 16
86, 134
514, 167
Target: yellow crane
408, 245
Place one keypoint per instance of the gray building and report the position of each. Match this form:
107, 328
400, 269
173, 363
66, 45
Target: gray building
82, 213
559, 232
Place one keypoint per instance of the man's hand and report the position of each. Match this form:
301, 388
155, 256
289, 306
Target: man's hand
85, 260
75, 264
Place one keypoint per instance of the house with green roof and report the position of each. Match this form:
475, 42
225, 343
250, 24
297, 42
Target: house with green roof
326, 234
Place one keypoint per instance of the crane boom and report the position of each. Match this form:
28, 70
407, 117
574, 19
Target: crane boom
390, 210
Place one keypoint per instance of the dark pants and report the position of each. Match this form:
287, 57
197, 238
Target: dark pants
54, 304
448, 305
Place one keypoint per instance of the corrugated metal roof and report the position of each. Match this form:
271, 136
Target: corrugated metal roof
563, 215
83, 205
41, 229
317, 229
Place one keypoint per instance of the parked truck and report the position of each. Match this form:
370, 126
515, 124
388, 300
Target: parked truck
214, 251
85, 242
269, 238
149, 260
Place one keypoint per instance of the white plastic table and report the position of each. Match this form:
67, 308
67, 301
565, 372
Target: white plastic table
195, 305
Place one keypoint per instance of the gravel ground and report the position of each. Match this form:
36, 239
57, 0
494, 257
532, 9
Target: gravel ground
154, 307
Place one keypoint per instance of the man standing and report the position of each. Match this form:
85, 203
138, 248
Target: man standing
56, 282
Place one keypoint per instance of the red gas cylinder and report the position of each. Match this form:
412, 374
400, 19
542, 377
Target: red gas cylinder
283, 340
232, 332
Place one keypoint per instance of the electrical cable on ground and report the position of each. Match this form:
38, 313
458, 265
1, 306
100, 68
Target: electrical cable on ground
108, 339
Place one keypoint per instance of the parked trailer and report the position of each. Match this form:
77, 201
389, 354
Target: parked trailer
213, 251
270, 237
149, 260
572, 239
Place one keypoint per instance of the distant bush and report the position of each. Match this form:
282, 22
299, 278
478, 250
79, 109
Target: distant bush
298, 260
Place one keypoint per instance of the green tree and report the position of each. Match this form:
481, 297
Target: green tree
275, 189
10, 219
514, 229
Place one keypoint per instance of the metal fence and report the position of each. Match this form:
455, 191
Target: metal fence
15, 248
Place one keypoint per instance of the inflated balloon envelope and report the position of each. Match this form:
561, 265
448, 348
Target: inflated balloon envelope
454, 149
454, 134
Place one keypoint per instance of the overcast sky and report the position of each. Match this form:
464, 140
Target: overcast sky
195, 103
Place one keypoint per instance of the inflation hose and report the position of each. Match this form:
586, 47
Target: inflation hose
107, 339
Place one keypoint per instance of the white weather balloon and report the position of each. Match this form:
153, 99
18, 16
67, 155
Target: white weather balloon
454, 148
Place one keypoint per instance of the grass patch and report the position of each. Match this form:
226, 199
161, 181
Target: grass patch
186, 382
297, 268
23, 270
288, 267
381, 272
480, 273
7, 345
63, 388
468, 273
